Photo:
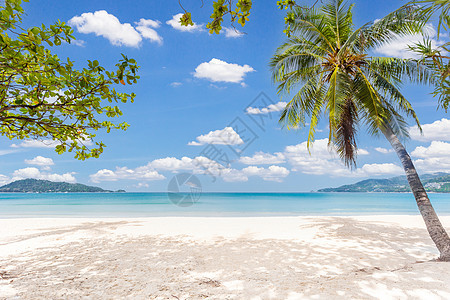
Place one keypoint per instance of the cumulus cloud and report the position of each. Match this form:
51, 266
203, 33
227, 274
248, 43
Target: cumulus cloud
35, 173
199, 165
265, 110
142, 185
436, 149
140, 173
4, 179
101, 23
434, 158
384, 150
176, 24
436, 131
363, 152
398, 47
217, 70
433, 165
261, 158
43, 162
272, 173
233, 175
147, 31
226, 136
172, 164
380, 169
324, 161
232, 32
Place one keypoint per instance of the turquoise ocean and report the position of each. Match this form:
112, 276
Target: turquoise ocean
13, 205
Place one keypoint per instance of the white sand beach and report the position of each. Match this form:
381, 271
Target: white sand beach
364, 257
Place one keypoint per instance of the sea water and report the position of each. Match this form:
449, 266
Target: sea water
212, 204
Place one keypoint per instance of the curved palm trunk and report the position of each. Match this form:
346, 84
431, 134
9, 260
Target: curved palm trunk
434, 226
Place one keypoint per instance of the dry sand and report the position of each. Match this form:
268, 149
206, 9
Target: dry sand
367, 257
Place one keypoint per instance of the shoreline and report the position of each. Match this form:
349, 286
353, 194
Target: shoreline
297, 257
210, 215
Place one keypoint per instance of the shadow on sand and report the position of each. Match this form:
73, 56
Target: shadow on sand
345, 259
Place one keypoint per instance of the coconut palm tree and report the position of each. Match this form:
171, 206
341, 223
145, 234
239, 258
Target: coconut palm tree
326, 66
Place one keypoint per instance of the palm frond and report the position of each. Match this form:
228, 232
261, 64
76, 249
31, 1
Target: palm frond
402, 69
339, 18
345, 138
302, 104
403, 21
312, 26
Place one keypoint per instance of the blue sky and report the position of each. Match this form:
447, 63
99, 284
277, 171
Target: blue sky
194, 87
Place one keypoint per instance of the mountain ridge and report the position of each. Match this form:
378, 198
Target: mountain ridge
437, 183
46, 186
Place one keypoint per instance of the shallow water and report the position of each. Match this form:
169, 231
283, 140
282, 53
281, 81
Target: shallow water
212, 204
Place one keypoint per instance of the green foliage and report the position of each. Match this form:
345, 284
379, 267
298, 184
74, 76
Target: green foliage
435, 57
325, 65
43, 97
238, 12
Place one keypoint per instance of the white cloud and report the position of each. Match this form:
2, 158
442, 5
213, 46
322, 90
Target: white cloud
175, 23
398, 47
217, 70
32, 172
43, 162
433, 165
436, 149
384, 150
139, 173
145, 27
197, 165
317, 161
172, 164
380, 169
323, 161
142, 185
272, 173
226, 136
434, 158
176, 84
4, 179
436, 131
265, 110
79, 43
233, 175
362, 152
101, 23
261, 158
232, 32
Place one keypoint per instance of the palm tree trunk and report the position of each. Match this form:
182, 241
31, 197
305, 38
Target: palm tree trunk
435, 229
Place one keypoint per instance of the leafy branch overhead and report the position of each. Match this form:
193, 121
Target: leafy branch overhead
44, 97
239, 12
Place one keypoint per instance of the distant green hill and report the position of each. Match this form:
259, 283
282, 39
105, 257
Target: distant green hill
45, 186
438, 183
